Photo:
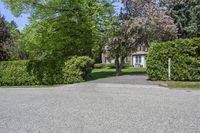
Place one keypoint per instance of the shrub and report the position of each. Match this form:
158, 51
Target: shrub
99, 66
69, 70
83, 66
127, 65
111, 66
185, 58
14, 73
45, 72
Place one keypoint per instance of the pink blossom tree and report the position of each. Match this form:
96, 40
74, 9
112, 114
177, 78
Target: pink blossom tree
142, 21
148, 20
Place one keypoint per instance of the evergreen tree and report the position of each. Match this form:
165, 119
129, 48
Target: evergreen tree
186, 15
4, 37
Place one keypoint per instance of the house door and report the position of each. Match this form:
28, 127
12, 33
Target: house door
137, 61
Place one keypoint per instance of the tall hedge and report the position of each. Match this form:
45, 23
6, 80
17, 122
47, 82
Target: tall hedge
45, 72
185, 60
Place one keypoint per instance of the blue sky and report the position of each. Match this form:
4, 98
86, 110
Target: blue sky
23, 19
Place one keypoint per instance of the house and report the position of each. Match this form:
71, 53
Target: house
136, 58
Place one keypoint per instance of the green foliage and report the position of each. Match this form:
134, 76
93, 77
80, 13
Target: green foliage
110, 66
185, 58
186, 85
63, 28
9, 36
106, 73
13, 44
69, 70
45, 72
14, 73
83, 66
186, 16
4, 38
127, 65
99, 66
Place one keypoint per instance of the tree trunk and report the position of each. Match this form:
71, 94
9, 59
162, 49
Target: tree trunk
121, 64
117, 65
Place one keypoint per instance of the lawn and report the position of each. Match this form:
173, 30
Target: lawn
179, 84
108, 72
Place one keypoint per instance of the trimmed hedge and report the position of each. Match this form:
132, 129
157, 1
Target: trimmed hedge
14, 73
45, 72
185, 56
110, 66
99, 66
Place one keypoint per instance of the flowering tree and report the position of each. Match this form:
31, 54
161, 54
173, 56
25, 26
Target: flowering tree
142, 21
148, 20
118, 48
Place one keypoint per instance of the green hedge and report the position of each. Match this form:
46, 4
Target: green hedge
45, 72
185, 56
14, 73
110, 66
99, 66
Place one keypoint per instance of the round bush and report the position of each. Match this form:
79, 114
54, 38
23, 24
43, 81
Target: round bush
83, 65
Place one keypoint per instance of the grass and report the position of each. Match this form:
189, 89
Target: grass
107, 72
32, 86
185, 85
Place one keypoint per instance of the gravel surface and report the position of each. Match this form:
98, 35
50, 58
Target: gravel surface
98, 107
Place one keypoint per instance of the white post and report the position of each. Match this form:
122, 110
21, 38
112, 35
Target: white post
169, 69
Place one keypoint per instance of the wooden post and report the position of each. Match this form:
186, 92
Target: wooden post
169, 69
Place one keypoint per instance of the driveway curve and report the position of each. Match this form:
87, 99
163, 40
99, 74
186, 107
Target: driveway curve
102, 106
139, 79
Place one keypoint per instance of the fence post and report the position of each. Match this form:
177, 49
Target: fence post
169, 69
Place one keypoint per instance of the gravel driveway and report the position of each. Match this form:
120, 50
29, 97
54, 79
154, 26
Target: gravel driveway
111, 105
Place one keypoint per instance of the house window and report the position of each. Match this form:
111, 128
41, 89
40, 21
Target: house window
138, 59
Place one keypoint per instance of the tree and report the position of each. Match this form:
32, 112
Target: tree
61, 28
118, 48
4, 37
12, 48
148, 20
106, 23
142, 21
187, 17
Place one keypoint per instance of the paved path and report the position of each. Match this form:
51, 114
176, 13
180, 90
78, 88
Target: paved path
100, 107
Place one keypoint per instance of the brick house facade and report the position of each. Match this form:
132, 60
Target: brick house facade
137, 59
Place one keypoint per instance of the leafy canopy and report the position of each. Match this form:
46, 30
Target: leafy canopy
187, 17
63, 27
